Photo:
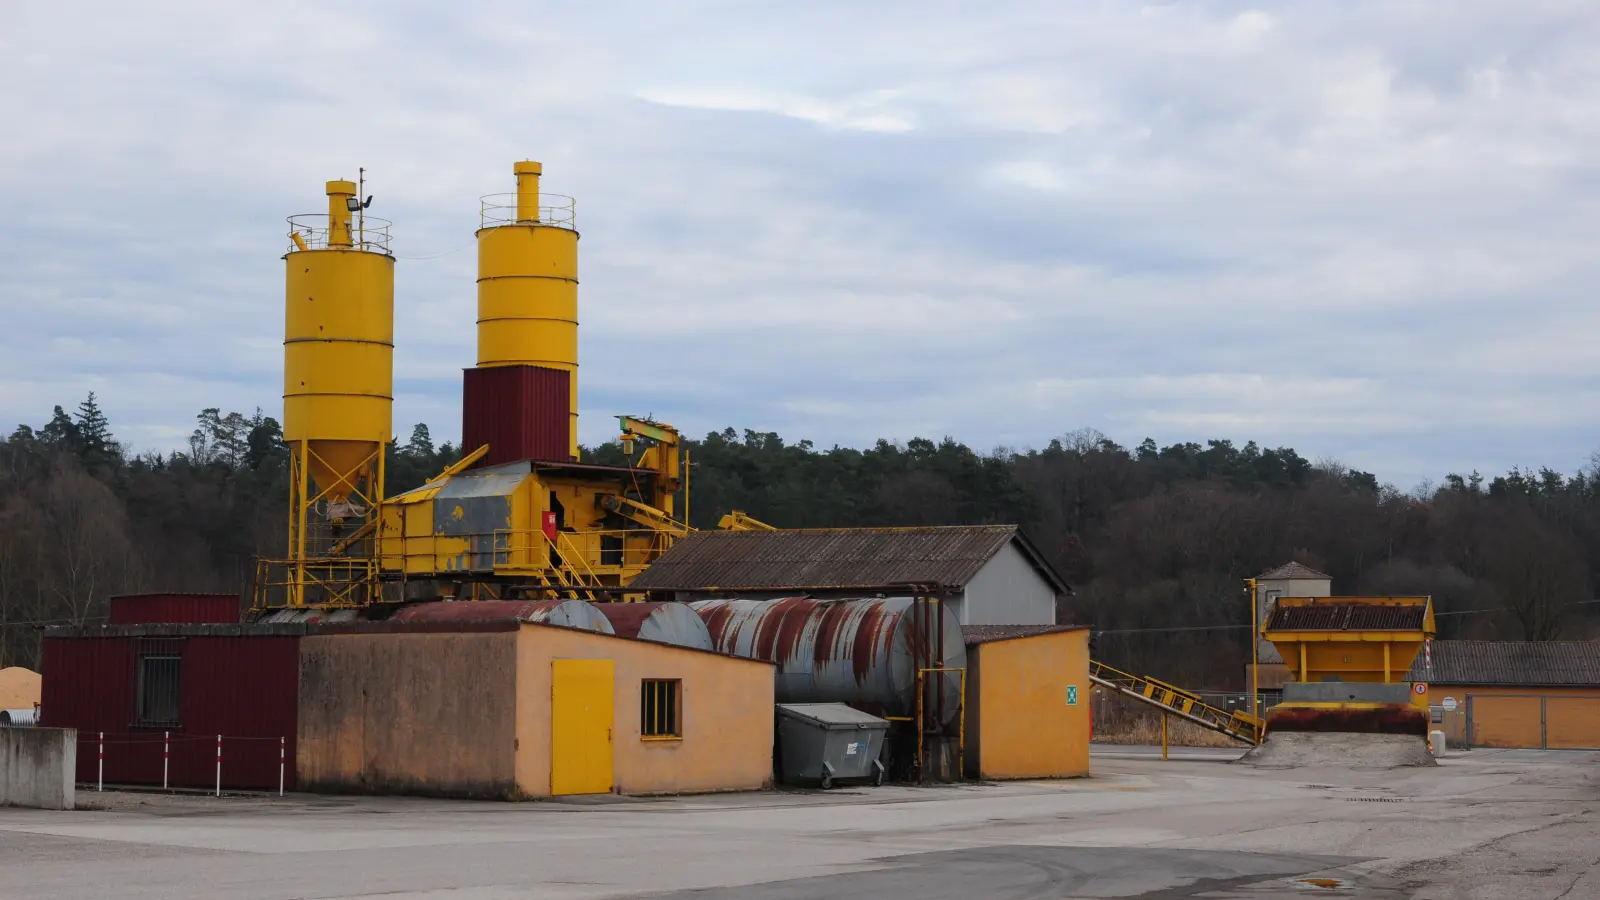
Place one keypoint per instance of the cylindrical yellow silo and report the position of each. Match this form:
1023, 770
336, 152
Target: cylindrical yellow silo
528, 284
338, 353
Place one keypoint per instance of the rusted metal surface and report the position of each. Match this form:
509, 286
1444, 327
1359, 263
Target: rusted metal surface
665, 623
568, 613
861, 652
139, 609
1394, 719
833, 559
521, 412
1347, 617
241, 686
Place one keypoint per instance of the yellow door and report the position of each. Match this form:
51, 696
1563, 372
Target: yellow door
1572, 723
1506, 721
580, 726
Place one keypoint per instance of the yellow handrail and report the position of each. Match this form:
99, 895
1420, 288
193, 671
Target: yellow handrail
1241, 726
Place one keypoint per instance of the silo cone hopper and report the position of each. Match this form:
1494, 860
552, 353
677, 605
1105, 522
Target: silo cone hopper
1348, 659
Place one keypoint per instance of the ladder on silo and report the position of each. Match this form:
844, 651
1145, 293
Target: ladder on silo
1239, 725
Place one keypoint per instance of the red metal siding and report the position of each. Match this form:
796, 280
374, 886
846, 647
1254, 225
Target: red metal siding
244, 688
150, 609
521, 412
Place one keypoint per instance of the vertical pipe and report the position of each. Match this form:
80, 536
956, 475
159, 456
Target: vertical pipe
280, 767
528, 190
1303, 661
961, 741
100, 779
166, 755
1255, 651
1163, 737
1385, 662
919, 725
219, 765
339, 193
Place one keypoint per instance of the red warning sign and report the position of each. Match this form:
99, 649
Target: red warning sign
1420, 687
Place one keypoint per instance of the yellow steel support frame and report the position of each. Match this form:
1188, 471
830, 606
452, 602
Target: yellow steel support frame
1239, 725
343, 580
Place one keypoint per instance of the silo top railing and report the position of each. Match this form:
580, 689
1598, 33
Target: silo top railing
556, 210
369, 233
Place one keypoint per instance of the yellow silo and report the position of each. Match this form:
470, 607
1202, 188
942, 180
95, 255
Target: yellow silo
528, 283
338, 387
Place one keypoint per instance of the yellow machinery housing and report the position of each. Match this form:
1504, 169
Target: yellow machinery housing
1356, 639
1349, 658
531, 528
337, 402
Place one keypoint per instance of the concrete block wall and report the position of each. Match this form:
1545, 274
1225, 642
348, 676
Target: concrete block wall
37, 766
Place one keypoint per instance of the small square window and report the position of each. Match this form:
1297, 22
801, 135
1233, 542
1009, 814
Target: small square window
659, 709
158, 690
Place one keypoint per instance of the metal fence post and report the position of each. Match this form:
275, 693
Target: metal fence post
219, 765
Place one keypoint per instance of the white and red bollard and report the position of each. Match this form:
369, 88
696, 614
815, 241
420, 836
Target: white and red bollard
166, 755
100, 777
280, 767
219, 765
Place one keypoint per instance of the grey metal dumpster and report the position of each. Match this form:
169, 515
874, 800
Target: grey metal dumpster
823, 742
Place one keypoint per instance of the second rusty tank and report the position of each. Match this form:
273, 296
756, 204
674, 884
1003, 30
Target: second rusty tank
860, 652
566, 613
664, 623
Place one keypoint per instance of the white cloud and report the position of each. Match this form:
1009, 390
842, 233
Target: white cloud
1361, 227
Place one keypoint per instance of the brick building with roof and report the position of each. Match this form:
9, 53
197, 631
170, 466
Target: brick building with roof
1514, 693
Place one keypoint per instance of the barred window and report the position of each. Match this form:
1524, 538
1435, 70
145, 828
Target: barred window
158, 690
659, 709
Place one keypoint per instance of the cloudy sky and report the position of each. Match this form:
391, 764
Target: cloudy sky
1366, 230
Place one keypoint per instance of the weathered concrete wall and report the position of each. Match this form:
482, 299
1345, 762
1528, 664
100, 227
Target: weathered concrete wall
409, 713
37, 766
726, 714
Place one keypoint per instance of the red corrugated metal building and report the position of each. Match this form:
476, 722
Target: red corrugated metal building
146, 609
137, 683
521, 412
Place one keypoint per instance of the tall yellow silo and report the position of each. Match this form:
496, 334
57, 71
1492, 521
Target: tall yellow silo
338, 390
528, 284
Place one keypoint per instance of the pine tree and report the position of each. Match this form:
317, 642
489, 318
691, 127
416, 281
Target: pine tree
60, 432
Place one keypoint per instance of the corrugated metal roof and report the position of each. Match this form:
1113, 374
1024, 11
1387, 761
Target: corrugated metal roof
1293, 571
985, 634
1515, 663
1347, 617
833, 559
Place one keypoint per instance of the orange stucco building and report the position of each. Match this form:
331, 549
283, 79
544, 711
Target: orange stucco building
1027, 701
510, 709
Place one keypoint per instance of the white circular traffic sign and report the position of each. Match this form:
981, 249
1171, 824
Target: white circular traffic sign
1449, 704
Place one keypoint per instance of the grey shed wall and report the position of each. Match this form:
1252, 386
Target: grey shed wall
1008, 590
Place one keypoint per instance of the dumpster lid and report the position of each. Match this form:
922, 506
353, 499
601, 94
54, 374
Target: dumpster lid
831, 715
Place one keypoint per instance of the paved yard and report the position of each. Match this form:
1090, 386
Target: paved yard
1484, 825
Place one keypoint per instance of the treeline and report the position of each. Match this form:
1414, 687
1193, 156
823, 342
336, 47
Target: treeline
1154, 540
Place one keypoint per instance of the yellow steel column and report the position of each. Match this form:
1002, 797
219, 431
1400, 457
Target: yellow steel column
1302, 661
1385, 662
1163, 737
1255, 649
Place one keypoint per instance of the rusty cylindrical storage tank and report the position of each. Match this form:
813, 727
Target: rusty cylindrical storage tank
528, 285
838, 651
664, 623
567, 613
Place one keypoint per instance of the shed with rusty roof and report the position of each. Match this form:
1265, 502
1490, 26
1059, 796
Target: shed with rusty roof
991, 574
